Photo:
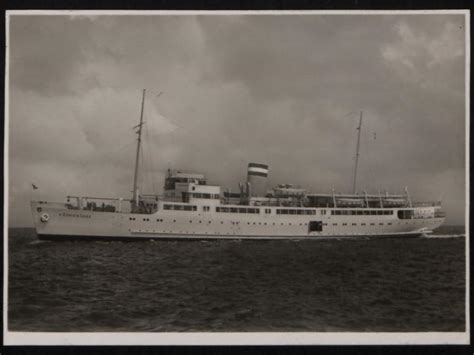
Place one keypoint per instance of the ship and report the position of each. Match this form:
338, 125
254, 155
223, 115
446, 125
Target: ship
191, 208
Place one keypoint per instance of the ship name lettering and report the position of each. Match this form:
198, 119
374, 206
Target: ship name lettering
65, 214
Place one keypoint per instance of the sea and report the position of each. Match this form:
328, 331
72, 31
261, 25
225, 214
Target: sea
328, 285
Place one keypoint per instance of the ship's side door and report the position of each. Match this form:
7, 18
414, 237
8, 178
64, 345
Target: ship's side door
315, 226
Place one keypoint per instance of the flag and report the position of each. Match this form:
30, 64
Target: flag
257, 169
34, 187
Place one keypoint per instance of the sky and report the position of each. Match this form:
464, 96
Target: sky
285, 90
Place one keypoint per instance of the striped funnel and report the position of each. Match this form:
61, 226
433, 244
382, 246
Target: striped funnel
257, 179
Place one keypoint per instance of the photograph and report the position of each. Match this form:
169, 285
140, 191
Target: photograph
236, 177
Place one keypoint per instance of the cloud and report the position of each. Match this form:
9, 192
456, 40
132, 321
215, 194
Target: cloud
417, 52
273, 89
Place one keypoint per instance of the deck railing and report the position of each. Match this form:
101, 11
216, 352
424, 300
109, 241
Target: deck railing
427, 204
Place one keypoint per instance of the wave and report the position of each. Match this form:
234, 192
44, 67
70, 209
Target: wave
34, 242
443, 236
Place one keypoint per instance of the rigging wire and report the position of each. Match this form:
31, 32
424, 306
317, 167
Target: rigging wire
147, 177
370, 147
87, 168
151, 161
143, 177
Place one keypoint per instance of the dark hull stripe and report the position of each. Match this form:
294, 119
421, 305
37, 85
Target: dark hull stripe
62, 237
257, 165
257, 173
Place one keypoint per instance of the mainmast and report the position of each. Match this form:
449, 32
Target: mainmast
357, 154
135, 198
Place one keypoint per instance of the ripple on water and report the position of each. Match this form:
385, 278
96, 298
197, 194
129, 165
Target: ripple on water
331, 285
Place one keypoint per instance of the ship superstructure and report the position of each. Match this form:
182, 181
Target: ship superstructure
191, 208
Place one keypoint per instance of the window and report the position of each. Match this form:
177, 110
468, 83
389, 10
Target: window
298, 211
405, 214
236, 210
206, 195
354, 224
180, 207
205, 208
268, 210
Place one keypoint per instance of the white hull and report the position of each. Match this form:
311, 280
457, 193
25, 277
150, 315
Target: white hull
64, 223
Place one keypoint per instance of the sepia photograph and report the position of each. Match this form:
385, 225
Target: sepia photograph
236, 177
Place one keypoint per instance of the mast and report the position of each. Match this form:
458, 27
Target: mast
135, 199
357, 154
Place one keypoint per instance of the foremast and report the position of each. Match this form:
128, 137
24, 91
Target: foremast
357, 155
136, 197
